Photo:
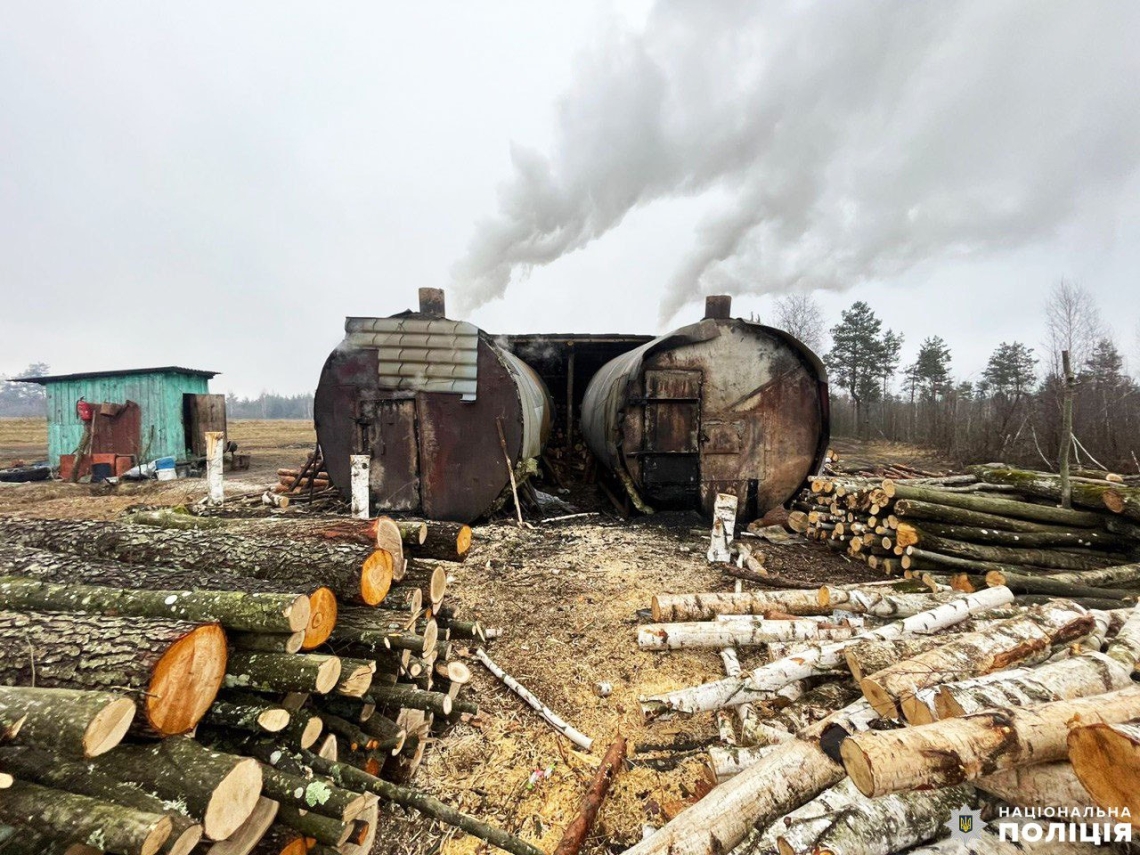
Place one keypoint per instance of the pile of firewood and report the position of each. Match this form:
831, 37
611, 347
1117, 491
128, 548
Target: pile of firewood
995, 526
866, 730
165, 689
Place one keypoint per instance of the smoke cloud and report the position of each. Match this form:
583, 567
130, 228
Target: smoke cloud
841, 142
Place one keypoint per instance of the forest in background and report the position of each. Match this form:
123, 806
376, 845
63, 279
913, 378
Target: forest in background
1010, 413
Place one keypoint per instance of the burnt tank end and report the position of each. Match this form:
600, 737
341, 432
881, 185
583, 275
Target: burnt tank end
424, 397
720, 406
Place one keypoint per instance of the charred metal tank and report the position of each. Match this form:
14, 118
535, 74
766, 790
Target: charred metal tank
720, 406
426, 397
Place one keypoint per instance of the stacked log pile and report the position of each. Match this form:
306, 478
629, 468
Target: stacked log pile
993, 526
869, 739
168, 691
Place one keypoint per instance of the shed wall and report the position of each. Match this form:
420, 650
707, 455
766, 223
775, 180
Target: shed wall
159, 397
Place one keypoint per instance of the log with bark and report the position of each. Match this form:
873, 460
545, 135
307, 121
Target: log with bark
352, 573
1117, 498
1030, 637
1040, 584
819, 659
260, 613
173, 668
694, 607
282, 672
70, 721
553, 719
1052, 559
1013, 508
750, 633
912, 534
252, 717
220, 790
445, 541
1040, 785
956, 750
67, 569
71, 818
75, 776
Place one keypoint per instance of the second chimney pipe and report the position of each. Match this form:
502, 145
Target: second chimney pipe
718, 307
431, 302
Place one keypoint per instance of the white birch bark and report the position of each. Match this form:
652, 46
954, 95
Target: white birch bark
884, 604
1040, 785
577, 737
754, 633
1030, 637
687, 607
820, 659
762, 840
955, 750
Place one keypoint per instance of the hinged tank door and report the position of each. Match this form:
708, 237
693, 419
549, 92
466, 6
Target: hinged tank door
387, 431
670, 448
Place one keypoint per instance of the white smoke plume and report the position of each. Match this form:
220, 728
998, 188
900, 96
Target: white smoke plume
848, 140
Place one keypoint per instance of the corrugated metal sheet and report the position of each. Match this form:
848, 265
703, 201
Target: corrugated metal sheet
159, 397
420, 354
535, 404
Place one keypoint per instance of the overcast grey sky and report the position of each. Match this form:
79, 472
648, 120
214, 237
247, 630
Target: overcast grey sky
219, 185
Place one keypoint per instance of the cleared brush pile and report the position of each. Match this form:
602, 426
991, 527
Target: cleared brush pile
178, 690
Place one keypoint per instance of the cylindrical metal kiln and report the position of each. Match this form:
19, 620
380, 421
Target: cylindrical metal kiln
720, 406
426, 397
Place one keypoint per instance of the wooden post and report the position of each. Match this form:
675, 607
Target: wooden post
215, 482
360, 466
510, 469
723, 528
1066, 429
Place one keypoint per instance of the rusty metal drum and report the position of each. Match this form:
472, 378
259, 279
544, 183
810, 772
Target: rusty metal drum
721, 406
425, 397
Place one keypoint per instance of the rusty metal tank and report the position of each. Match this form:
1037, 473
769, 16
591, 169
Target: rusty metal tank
425, 397
721, 406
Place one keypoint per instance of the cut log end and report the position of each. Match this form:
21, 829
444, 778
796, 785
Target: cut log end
376, 577
463, 541
186, 681
655, 608
322, 618
879, 698
858, 766
915, 711
1103, 757
185, 842
108, 727
255, 827
273, 720
298, 613
328, 675
311, 732
233, 800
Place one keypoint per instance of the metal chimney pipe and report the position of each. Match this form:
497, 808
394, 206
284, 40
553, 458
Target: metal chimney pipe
718, 307
431, 302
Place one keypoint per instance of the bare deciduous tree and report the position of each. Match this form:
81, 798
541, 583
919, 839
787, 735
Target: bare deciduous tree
1072, 323
799, 314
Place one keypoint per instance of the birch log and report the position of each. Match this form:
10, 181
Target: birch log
888, 824
688, 607
752, 633
578, 738
819, 659
1106, 760
1039, 785
1030, 637
883, 604
1077, 677
761, 840
955, 750
792, 774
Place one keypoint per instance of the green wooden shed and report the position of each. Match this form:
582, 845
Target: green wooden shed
145, 412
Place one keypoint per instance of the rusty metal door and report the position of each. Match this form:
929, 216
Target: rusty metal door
670, 445
387, 431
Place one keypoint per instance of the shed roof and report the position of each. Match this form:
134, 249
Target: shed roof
124, 372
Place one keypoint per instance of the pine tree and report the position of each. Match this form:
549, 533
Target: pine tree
862, 357
932, 368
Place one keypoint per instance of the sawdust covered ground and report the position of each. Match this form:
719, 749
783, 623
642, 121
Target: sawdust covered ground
567, 596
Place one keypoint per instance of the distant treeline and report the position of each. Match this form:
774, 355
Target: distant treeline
269, 405
1011, 412
22, 400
